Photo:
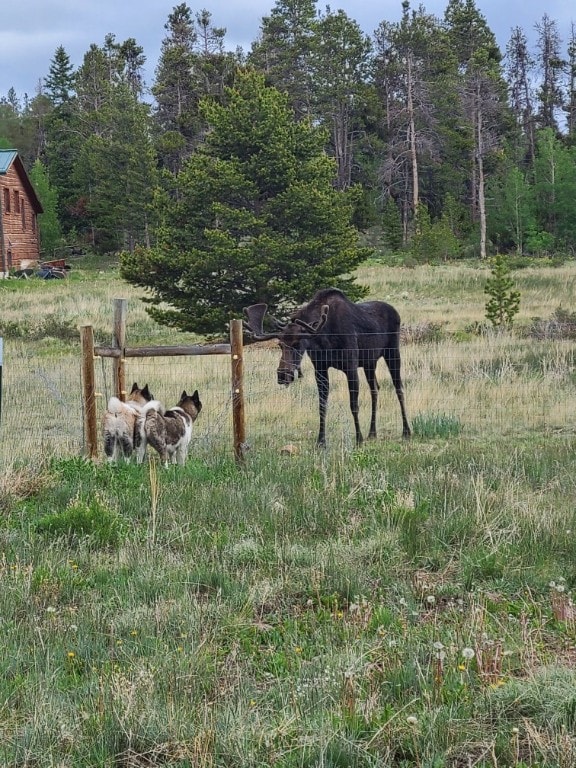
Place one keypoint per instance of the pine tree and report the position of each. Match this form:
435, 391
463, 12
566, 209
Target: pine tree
253, 217
60, 81
504, 302
50, 231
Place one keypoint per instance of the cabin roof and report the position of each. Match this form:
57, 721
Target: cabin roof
9, 157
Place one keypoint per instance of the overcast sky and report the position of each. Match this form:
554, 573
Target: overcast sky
31, 30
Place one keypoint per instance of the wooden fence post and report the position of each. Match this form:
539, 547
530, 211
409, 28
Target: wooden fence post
89, 391
236, 351
119, 341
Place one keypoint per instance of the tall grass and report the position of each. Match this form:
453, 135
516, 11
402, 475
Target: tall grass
407, 603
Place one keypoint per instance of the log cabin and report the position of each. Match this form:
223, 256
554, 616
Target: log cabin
19, 210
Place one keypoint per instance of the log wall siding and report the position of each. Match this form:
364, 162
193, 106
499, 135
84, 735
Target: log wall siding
19, 221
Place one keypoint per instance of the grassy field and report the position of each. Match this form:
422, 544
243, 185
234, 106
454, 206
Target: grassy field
408, 603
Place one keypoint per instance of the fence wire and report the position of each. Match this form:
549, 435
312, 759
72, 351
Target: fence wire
486, 385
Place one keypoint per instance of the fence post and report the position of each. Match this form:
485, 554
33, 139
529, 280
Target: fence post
89, 391
236, 351
119, 341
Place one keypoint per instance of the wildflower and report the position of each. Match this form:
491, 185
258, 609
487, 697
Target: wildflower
431, 600
468, 653
134, 633
438, 645
515, 730
179, 649
50, 609
297, 649
462, 667
71, 654
412, 720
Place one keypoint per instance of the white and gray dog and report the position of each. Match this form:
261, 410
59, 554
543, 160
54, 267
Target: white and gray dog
168, 431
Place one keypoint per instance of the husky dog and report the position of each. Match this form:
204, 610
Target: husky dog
119, 423
168, 432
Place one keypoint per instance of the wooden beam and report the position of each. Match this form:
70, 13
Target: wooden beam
164, 351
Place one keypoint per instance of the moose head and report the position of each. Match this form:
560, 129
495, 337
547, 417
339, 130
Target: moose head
293, 337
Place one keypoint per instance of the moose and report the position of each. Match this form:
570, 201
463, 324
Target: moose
337, 333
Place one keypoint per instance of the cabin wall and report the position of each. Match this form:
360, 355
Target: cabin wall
19, 223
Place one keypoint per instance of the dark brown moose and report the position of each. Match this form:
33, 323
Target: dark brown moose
337, 333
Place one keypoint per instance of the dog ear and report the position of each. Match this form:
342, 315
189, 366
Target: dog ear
196, 399
146, 392
184, 395
134, 387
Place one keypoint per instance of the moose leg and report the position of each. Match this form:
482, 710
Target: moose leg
323, 388
353, 388
370, 371
392, 358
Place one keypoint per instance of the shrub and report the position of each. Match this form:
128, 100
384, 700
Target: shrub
84, 518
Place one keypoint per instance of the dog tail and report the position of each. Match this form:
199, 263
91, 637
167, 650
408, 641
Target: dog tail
153, 405
115, 406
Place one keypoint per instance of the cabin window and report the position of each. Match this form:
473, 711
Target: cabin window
6, 200
16, 201
23, 215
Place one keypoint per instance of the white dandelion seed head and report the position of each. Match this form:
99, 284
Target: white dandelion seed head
412, 720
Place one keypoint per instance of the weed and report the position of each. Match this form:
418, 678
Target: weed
84, 518
436, 425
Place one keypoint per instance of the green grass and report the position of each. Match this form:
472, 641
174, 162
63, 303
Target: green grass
407, 604
304, 610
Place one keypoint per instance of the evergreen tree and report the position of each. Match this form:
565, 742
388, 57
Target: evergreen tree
504, 302
519, 70
254, 216
483, 97
114, 174
570, 107
551, 66
340, 66
60, 81
192, 64
410, 62
283, 52
50, 231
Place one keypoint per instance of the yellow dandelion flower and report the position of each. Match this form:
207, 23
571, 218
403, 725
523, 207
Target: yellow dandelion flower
71, 654
461, 667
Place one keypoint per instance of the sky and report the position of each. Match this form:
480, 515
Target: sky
31, 30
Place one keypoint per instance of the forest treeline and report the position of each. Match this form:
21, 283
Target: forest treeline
455, 147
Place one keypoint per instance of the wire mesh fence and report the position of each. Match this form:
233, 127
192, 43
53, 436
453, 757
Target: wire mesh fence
492, 384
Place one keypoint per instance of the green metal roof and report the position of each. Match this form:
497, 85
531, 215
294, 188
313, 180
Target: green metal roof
7, 157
